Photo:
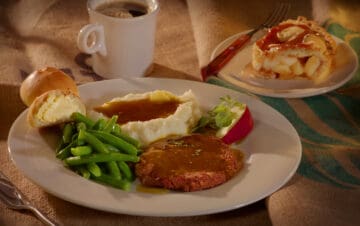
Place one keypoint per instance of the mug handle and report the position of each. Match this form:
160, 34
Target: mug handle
97, 45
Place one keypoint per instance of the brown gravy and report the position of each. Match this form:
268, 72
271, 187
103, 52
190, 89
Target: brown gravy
139, 110
151, 190
192, 153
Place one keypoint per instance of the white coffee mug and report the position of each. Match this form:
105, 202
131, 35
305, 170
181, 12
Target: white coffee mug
120, 47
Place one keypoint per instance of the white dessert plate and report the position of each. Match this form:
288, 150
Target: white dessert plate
272, 150
346, 64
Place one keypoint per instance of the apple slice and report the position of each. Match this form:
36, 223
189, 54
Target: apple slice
239, 129
231, 120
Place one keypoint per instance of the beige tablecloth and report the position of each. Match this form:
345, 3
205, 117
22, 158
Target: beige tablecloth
35, 34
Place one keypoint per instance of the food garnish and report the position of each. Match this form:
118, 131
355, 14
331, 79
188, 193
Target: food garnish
231, 119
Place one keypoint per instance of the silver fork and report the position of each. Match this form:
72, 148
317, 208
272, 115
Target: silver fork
277, 15
14, 199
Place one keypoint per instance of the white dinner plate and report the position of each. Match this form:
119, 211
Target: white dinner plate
272, 150
346, 64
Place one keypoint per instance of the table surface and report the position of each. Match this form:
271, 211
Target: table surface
325, 189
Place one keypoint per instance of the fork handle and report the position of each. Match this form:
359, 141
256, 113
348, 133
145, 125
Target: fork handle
42, 217
225, 56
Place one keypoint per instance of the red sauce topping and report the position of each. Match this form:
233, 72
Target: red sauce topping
139, 110
271, 38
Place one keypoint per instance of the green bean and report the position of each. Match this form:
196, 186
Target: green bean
113, 169
81, 150
116, 129
115, 141
80, 126
125, 169
83, 172
94, 169
78, 160
78, 117
60, 146
112, 166
65, 152
93, 141
117, 183
110, 124
78, 142
68, 131
74, 136
111, 148
127, 138
99, 124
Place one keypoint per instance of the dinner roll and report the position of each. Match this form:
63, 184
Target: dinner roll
41, 81
54, 107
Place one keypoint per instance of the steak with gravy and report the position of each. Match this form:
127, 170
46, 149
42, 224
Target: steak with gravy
190, 163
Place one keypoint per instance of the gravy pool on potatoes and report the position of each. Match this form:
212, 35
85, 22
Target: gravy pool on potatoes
150, 116
139, 110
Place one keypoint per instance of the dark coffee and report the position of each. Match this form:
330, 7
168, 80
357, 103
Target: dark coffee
122, 9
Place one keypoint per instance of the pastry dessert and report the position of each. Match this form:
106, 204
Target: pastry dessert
294, 49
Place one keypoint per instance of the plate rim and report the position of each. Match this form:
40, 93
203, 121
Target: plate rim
139, 213
281, 93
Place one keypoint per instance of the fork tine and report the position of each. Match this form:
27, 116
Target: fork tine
283, 14
273, 15
6, 200
278, 15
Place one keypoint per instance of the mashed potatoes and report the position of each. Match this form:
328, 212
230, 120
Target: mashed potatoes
295, 49
154, 115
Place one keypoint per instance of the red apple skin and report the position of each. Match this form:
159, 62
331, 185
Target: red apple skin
241, 129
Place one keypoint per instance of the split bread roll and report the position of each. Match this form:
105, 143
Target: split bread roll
41, 81
295, 49
54, 107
